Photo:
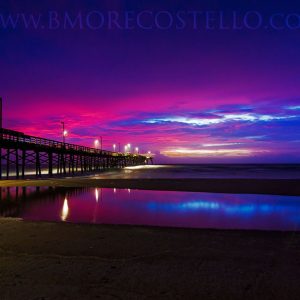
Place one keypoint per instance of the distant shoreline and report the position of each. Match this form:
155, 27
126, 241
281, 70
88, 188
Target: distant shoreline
289, 187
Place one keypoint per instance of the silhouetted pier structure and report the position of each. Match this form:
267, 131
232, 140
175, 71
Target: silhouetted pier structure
19, 151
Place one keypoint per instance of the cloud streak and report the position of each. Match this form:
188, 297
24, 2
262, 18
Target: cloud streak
219, 119
192, 153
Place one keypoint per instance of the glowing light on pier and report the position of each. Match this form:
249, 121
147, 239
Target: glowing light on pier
114, 147
65, 210
98, 143
64, 132
137, 149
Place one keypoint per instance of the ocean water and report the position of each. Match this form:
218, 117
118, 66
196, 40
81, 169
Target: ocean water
263, 171
271, 171
152, 208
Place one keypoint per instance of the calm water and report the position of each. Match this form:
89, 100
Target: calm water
280, 171
271, 171
155, 208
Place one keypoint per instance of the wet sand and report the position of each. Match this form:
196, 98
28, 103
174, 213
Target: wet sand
77, 261
237, 186
71, 261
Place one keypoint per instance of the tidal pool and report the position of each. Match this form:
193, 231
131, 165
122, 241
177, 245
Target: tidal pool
154, 208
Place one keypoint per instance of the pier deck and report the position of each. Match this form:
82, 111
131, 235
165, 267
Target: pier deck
19, 152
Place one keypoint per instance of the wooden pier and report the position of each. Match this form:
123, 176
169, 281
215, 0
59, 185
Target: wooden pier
20, 153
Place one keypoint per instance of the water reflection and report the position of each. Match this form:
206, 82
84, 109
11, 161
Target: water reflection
159, 208
65, 210
96, 194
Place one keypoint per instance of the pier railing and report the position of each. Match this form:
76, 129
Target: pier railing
20, 137
20, 151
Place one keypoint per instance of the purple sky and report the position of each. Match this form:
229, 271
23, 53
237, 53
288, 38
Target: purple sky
204, 95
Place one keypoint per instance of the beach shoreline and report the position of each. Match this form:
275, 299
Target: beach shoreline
48, 260
209, 185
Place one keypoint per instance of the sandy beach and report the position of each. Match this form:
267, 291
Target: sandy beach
73, 261
42, 260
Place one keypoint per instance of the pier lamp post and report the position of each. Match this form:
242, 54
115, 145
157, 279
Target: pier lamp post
137, 150
96, 143
64, 132
148, 154
129, 146
114, 146
125, 148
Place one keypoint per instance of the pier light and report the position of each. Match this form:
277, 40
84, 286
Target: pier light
125, 148
96, 143
128, 147
114, 146
149, 152
64, 132
137, 149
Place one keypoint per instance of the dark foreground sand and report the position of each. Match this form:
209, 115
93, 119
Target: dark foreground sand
69, 261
